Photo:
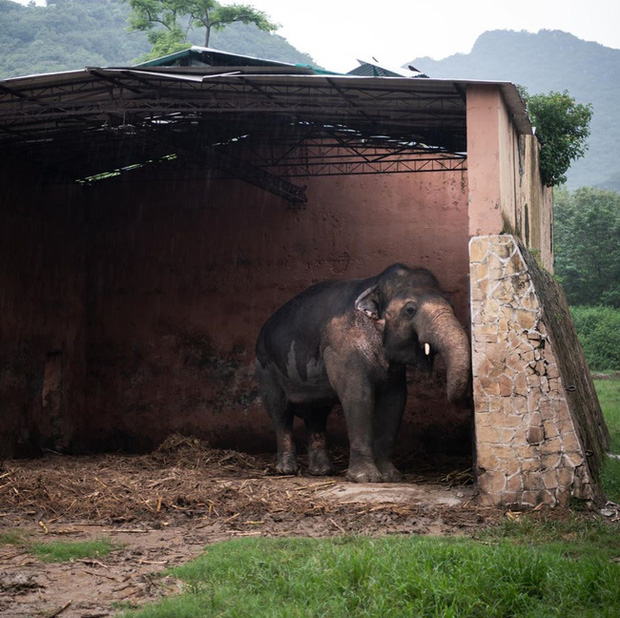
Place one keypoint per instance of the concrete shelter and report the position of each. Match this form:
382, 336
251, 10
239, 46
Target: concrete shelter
153, 217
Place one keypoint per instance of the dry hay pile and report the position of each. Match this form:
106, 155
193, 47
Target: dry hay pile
183, 475
183, 480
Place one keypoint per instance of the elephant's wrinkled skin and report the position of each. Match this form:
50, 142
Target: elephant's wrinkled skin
350, 341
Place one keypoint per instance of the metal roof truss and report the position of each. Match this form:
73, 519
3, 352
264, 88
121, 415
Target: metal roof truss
263, 128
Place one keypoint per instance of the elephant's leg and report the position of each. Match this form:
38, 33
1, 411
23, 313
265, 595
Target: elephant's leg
355, 391
389, 408
318, 456
283, 424
281, 413
358, 411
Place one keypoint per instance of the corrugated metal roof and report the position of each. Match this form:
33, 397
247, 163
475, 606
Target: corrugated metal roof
374, 69
208, 56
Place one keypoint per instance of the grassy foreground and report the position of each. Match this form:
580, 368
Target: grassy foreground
392, 576
608, 392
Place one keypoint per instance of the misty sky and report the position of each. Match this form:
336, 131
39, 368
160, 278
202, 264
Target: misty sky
337, 32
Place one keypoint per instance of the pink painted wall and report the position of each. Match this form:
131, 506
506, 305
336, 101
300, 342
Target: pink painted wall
42, 315
505, 191
483, 160
182, 275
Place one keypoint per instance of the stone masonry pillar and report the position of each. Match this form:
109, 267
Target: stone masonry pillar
528, 448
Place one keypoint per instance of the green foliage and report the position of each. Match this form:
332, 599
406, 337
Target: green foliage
587, 245
58, 551
163, 19
163, 31
598, 329
64, 36
77, 33
62, 551
562, 126
394, 576
214, 16
165, 42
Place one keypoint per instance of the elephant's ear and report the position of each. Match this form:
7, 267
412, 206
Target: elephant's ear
368, 302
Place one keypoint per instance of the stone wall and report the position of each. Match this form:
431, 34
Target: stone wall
529, 446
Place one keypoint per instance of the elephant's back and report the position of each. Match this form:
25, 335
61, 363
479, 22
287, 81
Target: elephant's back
301, 321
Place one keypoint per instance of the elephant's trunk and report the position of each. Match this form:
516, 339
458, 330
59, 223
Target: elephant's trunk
450, 340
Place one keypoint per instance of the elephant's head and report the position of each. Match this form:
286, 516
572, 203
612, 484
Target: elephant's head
418, 322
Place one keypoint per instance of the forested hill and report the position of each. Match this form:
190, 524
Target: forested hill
73, 34
546, 61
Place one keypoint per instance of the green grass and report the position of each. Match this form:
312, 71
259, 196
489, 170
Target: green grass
63, 551
610, 479
58, 551
392, 576
608, 392
576, 536
13, 537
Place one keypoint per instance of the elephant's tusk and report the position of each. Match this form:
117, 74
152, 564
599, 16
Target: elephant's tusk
427, 349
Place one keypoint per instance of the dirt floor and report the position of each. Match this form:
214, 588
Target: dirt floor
163, 508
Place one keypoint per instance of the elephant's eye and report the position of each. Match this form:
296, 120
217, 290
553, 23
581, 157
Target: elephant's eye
410, 310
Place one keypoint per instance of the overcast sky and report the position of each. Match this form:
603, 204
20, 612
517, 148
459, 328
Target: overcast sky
337, 32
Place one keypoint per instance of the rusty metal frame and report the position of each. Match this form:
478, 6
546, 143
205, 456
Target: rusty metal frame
299, 125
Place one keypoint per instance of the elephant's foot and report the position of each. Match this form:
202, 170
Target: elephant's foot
286, 463
319, 463
364, 474
389, 473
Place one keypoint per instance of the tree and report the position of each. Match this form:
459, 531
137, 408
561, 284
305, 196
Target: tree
214, 16
163, 19
562, 126
587, 245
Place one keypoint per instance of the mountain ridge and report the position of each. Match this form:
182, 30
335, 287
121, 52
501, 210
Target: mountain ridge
551, 60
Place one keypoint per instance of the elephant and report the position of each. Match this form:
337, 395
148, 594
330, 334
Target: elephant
350, 341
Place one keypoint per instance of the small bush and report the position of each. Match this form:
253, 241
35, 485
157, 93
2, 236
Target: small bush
598, 329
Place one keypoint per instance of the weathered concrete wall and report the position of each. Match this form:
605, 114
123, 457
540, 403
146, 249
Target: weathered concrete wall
183, 273
535, 223
130, 309
506, 194
486, 215
530, 448
42, 320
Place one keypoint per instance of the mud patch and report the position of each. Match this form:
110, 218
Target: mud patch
399, 494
